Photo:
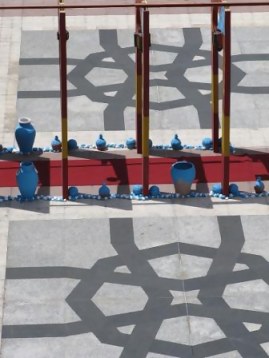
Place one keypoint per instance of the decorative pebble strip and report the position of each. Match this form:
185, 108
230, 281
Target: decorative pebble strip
108, 146
193, 194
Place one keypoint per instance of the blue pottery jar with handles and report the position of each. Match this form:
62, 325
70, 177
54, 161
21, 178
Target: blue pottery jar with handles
27, 179
25, 135
183, 174
101, 143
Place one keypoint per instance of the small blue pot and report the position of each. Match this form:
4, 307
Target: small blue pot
56, 144
183, 174
27, 179
25, 135
101, 143
216, 188
233, 189
72, 144
259, 186
207, 143
137, 189
104, 191
154, 190
176, 143
131, 143
73, 191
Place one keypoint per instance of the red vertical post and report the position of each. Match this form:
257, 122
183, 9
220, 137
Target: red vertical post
138, 70
226, 104
62, 34
145, 80
214, 79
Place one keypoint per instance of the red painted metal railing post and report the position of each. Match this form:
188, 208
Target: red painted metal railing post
214, 79
63, 36
145, 122
138, 68
226, 104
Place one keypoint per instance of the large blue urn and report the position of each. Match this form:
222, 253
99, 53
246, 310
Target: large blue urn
183, 174
25, 135
27, 179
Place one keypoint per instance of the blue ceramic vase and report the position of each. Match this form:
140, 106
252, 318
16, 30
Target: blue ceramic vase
27, 179
183, 174
25, 135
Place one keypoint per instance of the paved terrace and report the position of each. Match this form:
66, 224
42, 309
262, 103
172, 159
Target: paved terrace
155, 279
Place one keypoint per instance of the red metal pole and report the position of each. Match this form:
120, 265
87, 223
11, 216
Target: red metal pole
138, 67
215, 79
145, 123
226, 104
63, 86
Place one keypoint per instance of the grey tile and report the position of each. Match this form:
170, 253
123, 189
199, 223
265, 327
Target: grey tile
39, 44
74, 243
85, 345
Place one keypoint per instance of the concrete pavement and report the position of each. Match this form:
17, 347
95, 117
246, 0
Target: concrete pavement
115, 278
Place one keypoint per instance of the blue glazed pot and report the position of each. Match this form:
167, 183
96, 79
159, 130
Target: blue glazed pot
72, 144
73, 191
183, 174
104, 191
216, 188
207, 143
25, 135
259, 186
27, 179
101, 143
233, 189
137, 189
154, 190
131, 143
56, 144
176, 143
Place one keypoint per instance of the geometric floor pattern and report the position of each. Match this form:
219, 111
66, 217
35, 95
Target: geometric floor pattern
138, 287
101, 86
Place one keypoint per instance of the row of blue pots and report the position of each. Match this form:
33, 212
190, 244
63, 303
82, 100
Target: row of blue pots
182, 173
25, 136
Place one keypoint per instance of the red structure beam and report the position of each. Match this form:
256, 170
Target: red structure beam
137, 5
127, 171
